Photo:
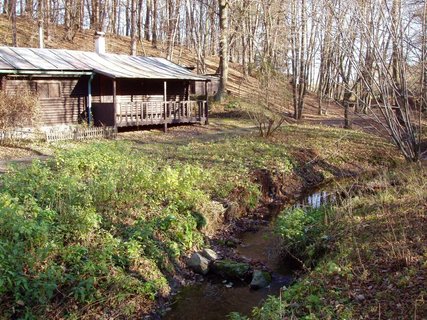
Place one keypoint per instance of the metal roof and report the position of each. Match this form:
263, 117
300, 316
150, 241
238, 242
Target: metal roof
60, 61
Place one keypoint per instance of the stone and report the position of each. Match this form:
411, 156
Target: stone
231, 243
260, 279
229, 269
210, 254
232, 211
360, 297
198, 263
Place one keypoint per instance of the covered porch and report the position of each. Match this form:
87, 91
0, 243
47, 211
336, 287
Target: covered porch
154, 113
144, 101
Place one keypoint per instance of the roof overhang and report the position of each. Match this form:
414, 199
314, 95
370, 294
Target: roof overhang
160, 79
136, 77
89, 73
47, 72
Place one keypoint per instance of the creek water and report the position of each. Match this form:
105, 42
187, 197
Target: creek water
214, 299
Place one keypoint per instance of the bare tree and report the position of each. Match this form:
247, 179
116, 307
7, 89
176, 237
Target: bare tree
423, 78
154, 23
133, 39
267, 106
223, 64
13, 17
302, 50
387, 84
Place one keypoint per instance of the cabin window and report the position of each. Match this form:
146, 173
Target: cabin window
49, 89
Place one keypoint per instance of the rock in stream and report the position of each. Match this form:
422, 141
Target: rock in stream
260, 279
231, 270
210, 254
198, 263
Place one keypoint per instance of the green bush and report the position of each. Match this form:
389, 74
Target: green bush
100, 220
104, 223
303, 232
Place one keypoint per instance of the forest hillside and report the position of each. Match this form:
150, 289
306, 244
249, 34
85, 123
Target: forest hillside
27, 35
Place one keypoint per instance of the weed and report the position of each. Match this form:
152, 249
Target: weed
303, 231
97, 219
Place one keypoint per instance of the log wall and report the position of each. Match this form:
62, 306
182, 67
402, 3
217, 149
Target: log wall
63, 100
66, 102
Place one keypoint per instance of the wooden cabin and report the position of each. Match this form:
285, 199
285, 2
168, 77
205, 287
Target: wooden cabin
101, 88
199, 88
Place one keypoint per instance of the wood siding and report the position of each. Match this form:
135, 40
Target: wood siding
63, 100
198, 87
67, 108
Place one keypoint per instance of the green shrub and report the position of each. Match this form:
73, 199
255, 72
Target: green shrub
104, 223
303, 232
100, 220
26, 269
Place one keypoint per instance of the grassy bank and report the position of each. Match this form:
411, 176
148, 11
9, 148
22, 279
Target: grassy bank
99, 229
375, 265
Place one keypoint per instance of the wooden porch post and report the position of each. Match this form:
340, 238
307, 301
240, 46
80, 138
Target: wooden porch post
115, 102
165, 100
3, 83
89, 99
206, 104
188, 89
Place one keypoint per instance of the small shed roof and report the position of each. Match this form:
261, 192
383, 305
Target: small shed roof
60, 61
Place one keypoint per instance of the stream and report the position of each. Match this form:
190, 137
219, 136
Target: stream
214, 299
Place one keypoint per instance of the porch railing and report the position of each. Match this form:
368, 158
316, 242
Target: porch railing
146, 113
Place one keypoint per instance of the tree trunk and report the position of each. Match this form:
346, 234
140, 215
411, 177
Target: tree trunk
29, 8
223, 55
295, 54
67, 20
302, 66
346, 103
94, 17
119, 17
13, 16
133, 28
423, 105
154, 25
139, 20
147, 21
173, 18
128, 14
113, 25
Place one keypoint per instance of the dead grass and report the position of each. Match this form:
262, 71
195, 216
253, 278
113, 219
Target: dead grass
376, 265
12, 152
390, 232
